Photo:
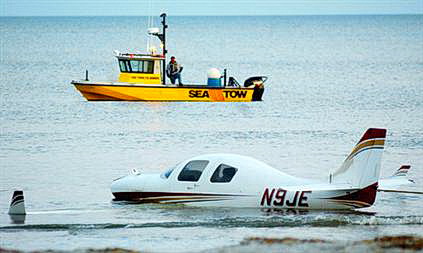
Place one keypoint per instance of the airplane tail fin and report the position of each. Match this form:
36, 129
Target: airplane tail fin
402, 171
400, 177
17, 205
362, 166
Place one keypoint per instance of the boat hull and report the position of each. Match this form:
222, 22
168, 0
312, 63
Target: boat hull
192, 93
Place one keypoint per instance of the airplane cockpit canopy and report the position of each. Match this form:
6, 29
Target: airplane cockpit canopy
220, 168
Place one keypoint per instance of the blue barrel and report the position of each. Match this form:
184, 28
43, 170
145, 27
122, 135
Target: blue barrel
214, 78
214, 82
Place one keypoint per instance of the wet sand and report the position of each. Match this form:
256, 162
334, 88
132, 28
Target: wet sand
289, 244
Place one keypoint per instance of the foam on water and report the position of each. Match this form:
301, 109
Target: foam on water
242, 222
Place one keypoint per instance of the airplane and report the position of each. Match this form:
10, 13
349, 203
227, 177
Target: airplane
400, 177
229, 180
17, 211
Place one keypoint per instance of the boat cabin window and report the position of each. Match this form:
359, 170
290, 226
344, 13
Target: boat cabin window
122, 65
223, 174
193, 170
137, 66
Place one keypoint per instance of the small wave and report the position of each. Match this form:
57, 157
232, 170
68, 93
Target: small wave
391, 220
272, 222
63, 226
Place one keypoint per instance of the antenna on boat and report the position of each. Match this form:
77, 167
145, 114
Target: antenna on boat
162, 38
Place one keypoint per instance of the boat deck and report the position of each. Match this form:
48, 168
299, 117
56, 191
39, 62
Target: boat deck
190, 86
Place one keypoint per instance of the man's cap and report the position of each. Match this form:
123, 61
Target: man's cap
173, 57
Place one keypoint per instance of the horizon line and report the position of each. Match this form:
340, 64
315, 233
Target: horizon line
224, 15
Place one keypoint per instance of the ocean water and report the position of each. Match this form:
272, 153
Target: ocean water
330, 78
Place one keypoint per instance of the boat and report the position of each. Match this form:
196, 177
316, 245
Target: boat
142, 78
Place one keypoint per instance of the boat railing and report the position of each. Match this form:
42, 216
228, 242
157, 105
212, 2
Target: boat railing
141, 55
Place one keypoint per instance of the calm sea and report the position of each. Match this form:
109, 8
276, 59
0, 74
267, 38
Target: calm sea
330, 78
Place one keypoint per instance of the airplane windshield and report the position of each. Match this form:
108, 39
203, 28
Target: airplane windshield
193, 170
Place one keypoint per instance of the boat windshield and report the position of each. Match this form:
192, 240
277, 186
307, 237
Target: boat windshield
136, 66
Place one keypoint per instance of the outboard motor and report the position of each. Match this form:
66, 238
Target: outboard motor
258, 83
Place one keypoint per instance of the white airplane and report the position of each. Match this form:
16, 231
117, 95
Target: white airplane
228, 180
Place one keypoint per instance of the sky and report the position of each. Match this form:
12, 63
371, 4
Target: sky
206, 7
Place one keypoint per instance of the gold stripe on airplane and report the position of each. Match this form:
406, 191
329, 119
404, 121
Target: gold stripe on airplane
366, 144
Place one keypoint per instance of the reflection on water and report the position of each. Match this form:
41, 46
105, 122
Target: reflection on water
17, 218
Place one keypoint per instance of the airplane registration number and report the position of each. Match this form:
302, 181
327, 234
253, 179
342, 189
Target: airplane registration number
280, 198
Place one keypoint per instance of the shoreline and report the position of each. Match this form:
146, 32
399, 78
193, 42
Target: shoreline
401, 243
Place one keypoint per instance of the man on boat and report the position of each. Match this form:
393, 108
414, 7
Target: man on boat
173, 71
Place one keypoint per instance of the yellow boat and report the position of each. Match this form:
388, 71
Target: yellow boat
142, 79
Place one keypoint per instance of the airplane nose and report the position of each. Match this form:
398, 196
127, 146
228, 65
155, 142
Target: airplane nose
126, 184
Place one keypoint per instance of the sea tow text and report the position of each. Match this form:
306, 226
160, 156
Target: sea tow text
226, 94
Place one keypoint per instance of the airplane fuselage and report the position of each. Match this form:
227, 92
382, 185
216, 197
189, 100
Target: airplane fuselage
273, 189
